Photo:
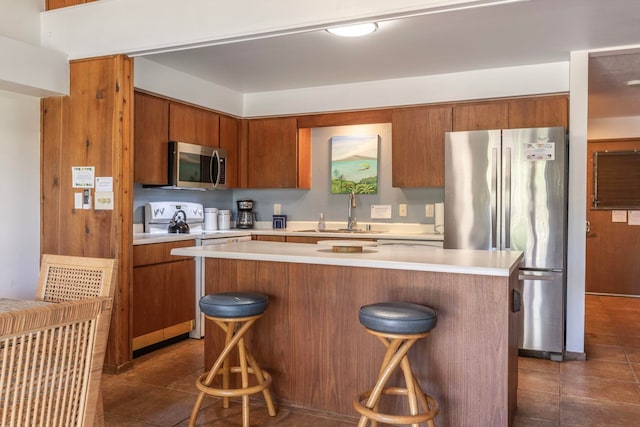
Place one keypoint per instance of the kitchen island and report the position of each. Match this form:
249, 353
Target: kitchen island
319, 355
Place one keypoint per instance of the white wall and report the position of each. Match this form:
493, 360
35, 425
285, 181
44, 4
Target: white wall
478, 84
150, 25
26, 67
20, 193
156, 78
614, 127
576, 250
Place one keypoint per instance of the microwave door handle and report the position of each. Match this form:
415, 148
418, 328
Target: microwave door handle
214, 161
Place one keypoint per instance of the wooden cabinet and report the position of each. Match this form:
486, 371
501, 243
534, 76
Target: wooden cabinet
276, 156
281, 239
481, 116
163, 293
230, 142
418, 146
540, 111
543, 111
151, 136
158, 120
193, 125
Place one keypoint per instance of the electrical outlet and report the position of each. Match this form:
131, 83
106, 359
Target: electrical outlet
402, 209
428, 210
277, 209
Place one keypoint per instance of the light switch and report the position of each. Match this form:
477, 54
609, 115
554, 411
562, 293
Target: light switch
277, 209
402, 209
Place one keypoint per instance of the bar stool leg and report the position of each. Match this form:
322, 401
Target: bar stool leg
219, 363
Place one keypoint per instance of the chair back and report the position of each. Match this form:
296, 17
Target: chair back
68, 278
51, 360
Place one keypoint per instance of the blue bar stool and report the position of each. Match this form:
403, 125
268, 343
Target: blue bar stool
234, 313
398, 325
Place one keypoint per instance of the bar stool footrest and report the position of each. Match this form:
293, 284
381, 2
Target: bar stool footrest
233, 392
429, 415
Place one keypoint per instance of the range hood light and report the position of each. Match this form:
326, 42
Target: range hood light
633, 83
354, 30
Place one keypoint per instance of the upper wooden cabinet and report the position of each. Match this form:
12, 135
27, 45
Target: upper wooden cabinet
158, 120
276, 156
230, 142
151, 136
481, 115
543, 111
193, 125
418, 146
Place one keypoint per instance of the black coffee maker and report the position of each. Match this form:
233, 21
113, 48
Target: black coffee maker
245, 214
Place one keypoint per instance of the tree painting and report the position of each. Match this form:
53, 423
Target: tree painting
354, 164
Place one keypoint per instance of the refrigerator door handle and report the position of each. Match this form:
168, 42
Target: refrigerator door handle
494, 198
506, 199
540, 277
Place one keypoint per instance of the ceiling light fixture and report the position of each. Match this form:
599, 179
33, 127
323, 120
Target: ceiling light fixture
633, 83
354, 30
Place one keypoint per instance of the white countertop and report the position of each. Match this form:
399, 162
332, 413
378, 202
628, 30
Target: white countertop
407, 232
418, 258
149, 238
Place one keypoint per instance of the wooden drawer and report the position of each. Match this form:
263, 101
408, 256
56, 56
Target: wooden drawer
156, 253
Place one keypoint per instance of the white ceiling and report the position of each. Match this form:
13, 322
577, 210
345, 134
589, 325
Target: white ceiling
529, 32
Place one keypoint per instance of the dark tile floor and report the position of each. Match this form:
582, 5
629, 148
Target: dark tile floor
604, 390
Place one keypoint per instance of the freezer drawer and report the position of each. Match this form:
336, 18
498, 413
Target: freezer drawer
543, 300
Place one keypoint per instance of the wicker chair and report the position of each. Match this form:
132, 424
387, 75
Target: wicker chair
70, 278
51, 359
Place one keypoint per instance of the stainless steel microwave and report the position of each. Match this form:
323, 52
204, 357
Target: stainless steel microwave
197, 166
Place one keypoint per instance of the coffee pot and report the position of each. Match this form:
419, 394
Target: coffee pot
245, 214
179, 225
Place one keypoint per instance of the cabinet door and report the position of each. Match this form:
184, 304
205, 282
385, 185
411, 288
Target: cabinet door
230, 141
193, 125
147, 299
539, 112
417, 148
480, 116
180, 293
151, 133
272, 158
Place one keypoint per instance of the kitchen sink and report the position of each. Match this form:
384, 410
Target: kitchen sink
340, 230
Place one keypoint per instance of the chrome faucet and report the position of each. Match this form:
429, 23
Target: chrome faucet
351, 221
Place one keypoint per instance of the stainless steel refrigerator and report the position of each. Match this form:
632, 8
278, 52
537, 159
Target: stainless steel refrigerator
507, 190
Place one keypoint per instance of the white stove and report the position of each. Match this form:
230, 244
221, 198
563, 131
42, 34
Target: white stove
158, 215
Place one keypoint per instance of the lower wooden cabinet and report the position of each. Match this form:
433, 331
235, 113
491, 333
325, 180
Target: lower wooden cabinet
163, 294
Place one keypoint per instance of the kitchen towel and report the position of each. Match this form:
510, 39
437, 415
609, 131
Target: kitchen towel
439, 219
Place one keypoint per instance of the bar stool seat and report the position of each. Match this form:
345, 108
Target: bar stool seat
234, 313
398, 325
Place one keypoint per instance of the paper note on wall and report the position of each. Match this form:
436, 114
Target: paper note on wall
634, 218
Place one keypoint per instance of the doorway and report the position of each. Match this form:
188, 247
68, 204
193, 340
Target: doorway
612, 244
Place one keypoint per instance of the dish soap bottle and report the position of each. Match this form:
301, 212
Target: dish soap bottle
321, 224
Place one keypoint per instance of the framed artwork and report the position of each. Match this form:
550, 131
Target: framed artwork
354, 164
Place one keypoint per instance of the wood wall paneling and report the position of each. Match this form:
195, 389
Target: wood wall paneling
92, 127
612, 247
56, 4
